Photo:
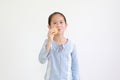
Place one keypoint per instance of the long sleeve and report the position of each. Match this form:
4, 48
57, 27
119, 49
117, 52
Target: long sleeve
43, 55
75, 65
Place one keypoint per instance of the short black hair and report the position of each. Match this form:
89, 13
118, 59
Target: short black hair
50, 17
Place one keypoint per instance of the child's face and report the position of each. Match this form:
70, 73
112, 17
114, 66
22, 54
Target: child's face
58, 22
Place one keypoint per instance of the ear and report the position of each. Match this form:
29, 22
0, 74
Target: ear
49, 26
66, 25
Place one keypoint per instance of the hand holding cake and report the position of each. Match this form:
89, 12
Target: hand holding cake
51, 33
55, 31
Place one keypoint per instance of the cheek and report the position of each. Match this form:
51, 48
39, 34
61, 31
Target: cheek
51, 26
65, 27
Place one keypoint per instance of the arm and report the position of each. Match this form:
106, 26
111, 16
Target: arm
44, 52
75, 65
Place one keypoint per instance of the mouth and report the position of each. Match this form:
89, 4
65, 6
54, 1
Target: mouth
59, 29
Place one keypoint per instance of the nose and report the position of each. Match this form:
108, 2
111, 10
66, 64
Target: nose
58, 24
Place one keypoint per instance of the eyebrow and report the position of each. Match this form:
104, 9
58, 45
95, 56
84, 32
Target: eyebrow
60, 20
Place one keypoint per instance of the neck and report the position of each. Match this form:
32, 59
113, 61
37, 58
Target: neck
60, 39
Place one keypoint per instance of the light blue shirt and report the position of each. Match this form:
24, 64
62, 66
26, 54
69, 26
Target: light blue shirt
62, 61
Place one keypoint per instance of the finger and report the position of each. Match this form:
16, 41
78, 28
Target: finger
51, 31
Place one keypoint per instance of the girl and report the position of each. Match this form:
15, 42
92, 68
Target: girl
59, 51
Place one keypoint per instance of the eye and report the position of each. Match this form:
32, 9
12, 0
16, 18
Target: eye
61, 22
54, 23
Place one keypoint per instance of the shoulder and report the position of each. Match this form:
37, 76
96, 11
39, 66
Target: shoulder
71, 42
72, 46
45, 41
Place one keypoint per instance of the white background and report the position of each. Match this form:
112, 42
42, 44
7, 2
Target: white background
93, 24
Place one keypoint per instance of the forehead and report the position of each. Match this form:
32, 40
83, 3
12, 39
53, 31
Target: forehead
57, 17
